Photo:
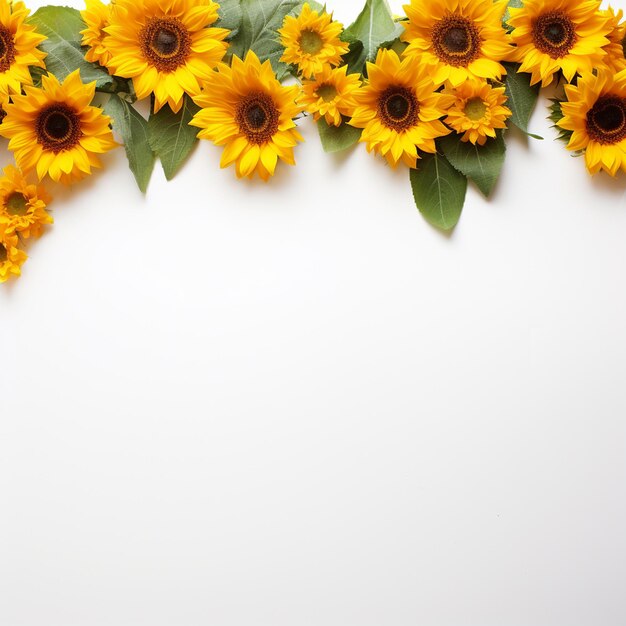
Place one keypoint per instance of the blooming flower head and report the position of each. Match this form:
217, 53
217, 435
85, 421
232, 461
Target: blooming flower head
245, 109
311, 41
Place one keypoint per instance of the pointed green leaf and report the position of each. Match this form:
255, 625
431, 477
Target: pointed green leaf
62, 26
439, 191
133, 129
261, 20
482, 164
230, 16
522, 97
373, 27
337, 138
171, 137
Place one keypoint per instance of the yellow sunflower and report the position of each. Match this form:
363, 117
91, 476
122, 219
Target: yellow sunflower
96, 16
478, 110
614, 58
595, 112
553, 35
399, 109
166, 47
247, 110
11, 257
18, 47
55, 131
459, 39
22, 206
311, 41
331, 94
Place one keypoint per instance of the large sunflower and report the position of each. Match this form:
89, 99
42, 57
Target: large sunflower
595, 112
460, 39
22, 206
311, 41
553, 35
55, 131
478, 111
331, 94
399, 109
11, 257
96, 16
614, 58
18, 47
247, 110
166, 47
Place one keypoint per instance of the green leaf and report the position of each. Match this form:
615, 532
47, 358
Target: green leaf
373, 28
133, 129
482, 164
62, 26
337, 138
522, 97
230, 16
171, 137
439, 191
260, 21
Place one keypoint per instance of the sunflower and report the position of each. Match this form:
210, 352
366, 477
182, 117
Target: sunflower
553, 35
18, 47
165, 47
331, 94
311, 41
245, 109
614, 58
459, 39
11, 257
399, 109
55, 131
477, 111
22, 206
595, 112
96, 16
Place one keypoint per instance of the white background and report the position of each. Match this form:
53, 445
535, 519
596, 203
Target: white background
297, 404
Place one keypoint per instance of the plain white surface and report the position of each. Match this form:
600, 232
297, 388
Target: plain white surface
297, 404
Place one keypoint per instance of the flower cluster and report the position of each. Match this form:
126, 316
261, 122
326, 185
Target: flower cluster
431, 86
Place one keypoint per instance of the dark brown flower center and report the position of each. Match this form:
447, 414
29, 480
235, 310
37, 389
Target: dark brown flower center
554, 34
3, 114
16, 203
606, 120
456, 40
165, 43
7, 48
258, 118
398, 108
4, 255
58, 128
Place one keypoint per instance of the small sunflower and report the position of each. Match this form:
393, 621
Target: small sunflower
399, 109
477, 112
459, 39
614, 58
595, 112
558, 35
167, 48
55, 131
311, 41
247, 110
11, 257
22, 206
96, 16
18, 47
331, 94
